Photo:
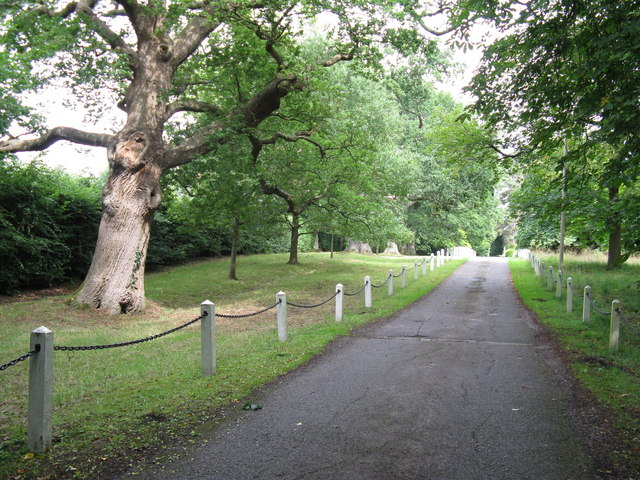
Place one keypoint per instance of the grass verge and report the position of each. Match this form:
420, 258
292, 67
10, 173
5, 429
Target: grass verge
114, 407
613, 378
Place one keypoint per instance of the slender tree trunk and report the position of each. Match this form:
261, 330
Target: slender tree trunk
235, 237
295, 237
615, 233
332, 245
316, 242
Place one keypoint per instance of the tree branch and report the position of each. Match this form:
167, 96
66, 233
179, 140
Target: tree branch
193, 34
190, 106
293, 138
52, 136
114, 40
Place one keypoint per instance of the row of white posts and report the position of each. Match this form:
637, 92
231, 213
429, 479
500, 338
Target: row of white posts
41, 364
547, 275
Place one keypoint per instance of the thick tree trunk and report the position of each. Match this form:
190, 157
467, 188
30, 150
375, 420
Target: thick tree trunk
615, 233
358, 247
316, 242
392, 249
132, 194
295, 237
115, 281
234, 249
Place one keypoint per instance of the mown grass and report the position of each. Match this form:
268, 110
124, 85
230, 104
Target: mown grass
613, 377
113, 407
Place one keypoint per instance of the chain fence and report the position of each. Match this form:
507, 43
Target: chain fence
593, 305
358, 292
627, 324
21, 358
131, 342
316, 305
383, 283
247, 315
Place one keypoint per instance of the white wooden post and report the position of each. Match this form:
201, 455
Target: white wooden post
432, 261
208, 338
586, 305
569, 294
543, 271
614, 329
403, 276
415, 270
559, 285
390, 282
339, 299
550, 279
40, 391
281, 315
367, 292
424, 266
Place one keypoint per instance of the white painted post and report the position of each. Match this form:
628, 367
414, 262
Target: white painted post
586, 305
415, 270
550, 279
569, 294
339, 299
208, 338
424, 266
614, 329
40, 391
281, 315
390, 282
432, 261
559, 285
403, 276
367, 292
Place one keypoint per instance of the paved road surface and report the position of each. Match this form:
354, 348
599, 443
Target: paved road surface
454, 387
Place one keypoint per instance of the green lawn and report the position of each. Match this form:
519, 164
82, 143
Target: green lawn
612, 377
115, 406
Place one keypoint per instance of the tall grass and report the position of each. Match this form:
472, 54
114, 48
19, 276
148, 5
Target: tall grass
113, 406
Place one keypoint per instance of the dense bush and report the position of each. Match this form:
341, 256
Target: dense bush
48, 225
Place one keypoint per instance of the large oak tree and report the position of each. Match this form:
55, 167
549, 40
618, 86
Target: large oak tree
160, 58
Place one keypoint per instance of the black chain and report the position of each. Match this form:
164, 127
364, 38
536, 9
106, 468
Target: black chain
398, 276
314, 306
20, 358
626, 323
382, 284
132, 342
359, 291
596, 308
247, 315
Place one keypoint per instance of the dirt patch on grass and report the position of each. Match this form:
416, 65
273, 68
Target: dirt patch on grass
36, 294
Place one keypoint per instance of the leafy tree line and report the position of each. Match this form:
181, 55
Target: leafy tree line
569, 72
227, 93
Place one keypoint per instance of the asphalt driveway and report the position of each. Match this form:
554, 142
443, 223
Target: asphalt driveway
456, 386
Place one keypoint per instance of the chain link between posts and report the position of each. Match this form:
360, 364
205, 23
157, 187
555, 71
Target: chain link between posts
627, 324
384, 283
131, 342
358, 292
21, 358
316, 305
247, 315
